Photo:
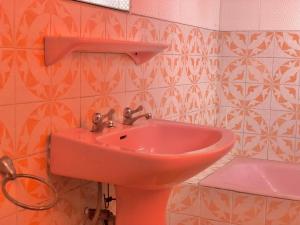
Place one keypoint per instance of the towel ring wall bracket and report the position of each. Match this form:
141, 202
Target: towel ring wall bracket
8, 171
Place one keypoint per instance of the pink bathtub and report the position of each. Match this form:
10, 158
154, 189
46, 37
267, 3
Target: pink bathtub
262, 177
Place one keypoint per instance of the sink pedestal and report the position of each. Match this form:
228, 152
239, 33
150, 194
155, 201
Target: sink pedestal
141, 207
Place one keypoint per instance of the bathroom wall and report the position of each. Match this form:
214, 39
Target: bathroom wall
36, 100
259, 100
259, 77
259, 15
201, 13
259, 90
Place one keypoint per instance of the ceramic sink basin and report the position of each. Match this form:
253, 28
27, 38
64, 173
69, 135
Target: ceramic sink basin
143, 162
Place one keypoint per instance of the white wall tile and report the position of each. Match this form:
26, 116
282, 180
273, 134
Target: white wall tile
280, 15
202, 13
145, 8
239, 15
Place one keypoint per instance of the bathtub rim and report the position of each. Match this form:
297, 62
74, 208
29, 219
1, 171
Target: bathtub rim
279, 195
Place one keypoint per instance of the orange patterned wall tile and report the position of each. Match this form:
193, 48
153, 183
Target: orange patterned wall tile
142, 29
259, 70
193, 97
116, 25
209, 93
196, 68
65, 114
142, 77
7, 76
196, 42
286, 71
248, 209
233, 94
27, 217
297, 151
214, 43
214, 69
32, 23
92, 21
247, 44
33, 127
238, 149
181, 219
171, 102
287, 44
256, 121
174, 36
257, 96
65, 18
231, 118
65, 184
88, 194
7, 147
282, 212
266, 92
216, 204
185, 199
283, 123
69, 209
135, 98
211, 222
282, 149
154, 106
194, 117
35, 164
261, 44
233, 69
298, 127
232, 86
7, 23
65, 77
99, 22
33, 81
172, 70
210, 116
234, 43
285, 97
255, 146
102, 74
7, 131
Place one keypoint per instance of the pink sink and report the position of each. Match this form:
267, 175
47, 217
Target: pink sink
144, 162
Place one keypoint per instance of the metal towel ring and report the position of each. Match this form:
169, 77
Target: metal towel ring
7, 169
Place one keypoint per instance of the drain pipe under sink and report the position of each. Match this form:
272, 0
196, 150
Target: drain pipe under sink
99, 205
96, 216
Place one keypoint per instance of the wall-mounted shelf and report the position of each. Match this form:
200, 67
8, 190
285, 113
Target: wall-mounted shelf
58, 47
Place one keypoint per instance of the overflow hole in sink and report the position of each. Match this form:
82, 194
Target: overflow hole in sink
123, 137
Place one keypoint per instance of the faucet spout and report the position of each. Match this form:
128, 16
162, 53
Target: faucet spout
130, 121
128, 118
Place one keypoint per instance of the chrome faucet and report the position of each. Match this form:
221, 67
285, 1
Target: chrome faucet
128, 118
99, 124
